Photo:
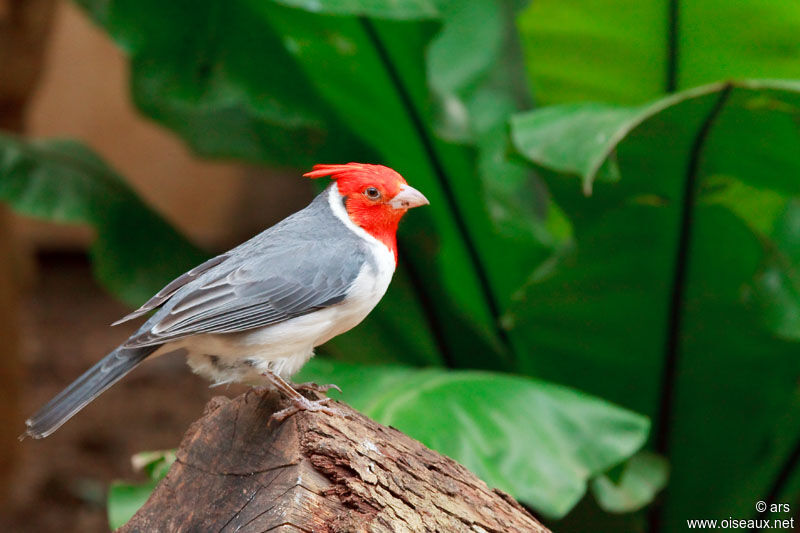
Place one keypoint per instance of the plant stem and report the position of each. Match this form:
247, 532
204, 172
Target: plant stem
678, 297
441, 176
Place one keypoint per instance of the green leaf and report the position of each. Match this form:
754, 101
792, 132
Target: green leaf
713, 346
643, 476
594, 131
124, 499
621, 51
226, 83
539, 442
154, 463
395, 9
453, 68
135, 252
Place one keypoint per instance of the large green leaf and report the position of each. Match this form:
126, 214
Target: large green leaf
627, 52
539, 442
135, 252
678, 298
216, 74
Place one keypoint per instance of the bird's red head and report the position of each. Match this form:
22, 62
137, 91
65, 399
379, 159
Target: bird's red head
376, 197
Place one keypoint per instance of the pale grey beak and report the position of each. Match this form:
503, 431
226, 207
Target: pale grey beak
407, 198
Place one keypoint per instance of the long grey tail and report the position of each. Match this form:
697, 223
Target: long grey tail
83, 390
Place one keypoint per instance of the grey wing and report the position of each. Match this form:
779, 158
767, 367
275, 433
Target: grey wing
256, 291
164, 294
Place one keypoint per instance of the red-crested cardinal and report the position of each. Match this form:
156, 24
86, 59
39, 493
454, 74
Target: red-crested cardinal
255, 313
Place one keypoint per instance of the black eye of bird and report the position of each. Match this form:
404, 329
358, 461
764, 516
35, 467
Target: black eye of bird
372, 193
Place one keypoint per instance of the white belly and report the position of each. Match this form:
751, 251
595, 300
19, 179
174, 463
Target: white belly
285, 347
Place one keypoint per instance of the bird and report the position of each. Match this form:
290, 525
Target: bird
255, 313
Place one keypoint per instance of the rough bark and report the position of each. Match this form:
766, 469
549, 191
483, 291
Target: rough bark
236, 471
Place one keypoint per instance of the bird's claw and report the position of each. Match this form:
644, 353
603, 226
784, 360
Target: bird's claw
304, 404
314, 387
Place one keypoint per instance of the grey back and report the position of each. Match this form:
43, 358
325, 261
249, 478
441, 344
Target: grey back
306, 262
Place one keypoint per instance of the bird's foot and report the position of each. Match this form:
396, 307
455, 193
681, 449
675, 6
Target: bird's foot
299, 402
304, 404
314, 387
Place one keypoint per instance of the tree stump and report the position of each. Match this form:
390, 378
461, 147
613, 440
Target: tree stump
238, 471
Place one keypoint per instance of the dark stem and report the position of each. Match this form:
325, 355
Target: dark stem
441, 177
677, 299
672, 46
428, 308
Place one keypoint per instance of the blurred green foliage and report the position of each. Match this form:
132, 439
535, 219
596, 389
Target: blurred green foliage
124, 499
670, 290
61, 180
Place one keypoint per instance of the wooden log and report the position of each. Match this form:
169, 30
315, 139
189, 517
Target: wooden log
238, 471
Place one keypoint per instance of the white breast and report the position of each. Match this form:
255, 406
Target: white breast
372, 281
285, 347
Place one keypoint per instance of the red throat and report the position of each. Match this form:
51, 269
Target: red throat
380, 221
